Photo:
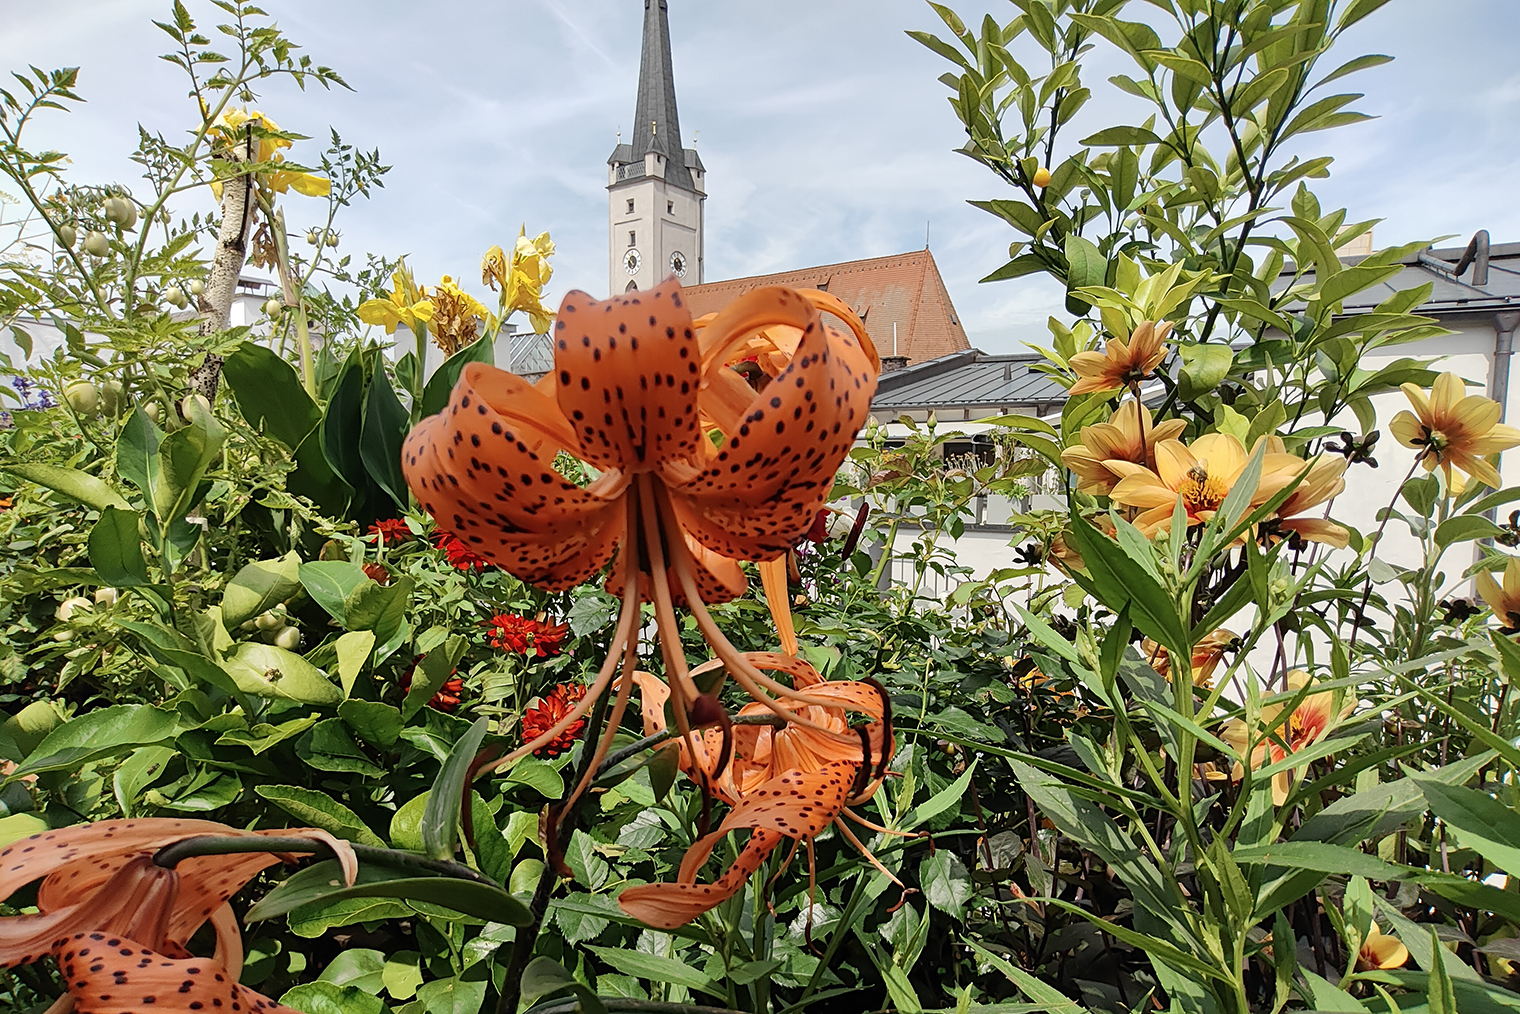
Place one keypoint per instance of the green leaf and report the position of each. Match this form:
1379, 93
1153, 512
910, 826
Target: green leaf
320, 810
116, 548
267, 670
458, 994
260, 586
1204, 367
1048, 997
1441, 998
330, 583
1321, 856
353, 650
657, 968
72, 483
322, 882
137, 451
381, 434
1113, 136
173, 648
315, 479
1477, 820
330, 998
544, 978
25, 729
440, 822
432, 673
441, 384
269, 394
98, 734
947, 884
950, 795
375, 723
183, 458
1465, 528
1085, 266
540, 776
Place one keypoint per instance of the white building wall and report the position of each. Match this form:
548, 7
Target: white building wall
666, 221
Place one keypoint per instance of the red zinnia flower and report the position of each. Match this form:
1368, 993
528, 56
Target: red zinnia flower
447, 697
461, 557
527, 636
377, 573
391, 530
550, 709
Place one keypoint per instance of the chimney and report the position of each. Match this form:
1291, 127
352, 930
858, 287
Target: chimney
892, 363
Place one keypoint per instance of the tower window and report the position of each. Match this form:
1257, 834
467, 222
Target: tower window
670, 207
630, 206
633, 238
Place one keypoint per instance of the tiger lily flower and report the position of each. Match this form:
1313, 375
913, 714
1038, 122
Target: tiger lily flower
1453, 429
1128, 436
119, 925
631, 394
1280, 736
1124, 362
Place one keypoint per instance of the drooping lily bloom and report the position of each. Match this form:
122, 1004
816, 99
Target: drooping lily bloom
1453, 429
1207, 654
1503, 599
634, 393
1123, 362
1279, 736
118, 924
1202, 475
787, 782
1380, 951
1128, 436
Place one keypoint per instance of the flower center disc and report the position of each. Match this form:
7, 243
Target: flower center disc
1201, 491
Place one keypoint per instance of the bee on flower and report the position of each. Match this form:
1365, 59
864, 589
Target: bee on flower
1124, 362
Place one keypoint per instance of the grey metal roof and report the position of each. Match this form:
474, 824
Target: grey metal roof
969, 379
1489, 281
656, 127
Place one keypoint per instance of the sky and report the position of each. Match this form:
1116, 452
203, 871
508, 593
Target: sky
825, 132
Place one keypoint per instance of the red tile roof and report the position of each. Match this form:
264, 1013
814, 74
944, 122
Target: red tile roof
903, 289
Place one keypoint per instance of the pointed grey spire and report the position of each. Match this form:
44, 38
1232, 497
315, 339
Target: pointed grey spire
656, 127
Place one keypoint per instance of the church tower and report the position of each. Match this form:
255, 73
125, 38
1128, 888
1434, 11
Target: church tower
655, 188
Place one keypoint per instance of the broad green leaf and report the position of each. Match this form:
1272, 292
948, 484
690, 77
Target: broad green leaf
458, 994
375, 722
656, 968
539, 776
320, 810
266, 670
1477, 820
260, 586
116, 548
71, 482
950, 795
380, 437
947, 884
436, 394
359, 967
1085, 266
269, 394
98, 734
1465, 528
431, 673
322, 882
353, 650
1113, 136
544, 977
330, 998
440, 822
1048, 997
330, 583
21, 825
137, 452
1204, 367
183, 458
24, 730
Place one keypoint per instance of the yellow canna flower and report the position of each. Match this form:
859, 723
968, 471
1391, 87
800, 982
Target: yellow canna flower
457, 317
1313, 720
1380, 951
522, 281
1451, 428
1128, 436
407, 304
230, 127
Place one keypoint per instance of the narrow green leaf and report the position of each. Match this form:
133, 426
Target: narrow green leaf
440, 821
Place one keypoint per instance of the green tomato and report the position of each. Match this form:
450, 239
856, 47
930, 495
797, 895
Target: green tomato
268, 621
82, 397
67, 235
96, 244
68, 607
288, 638
175, 296
197, 286
121, 211
273, 305
111, 397
152, 411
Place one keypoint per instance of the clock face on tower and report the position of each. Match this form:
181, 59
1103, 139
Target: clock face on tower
678, 264
631, 262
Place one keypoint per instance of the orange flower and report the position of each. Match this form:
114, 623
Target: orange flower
391, 530
1380, 951
1324, 482
1453, 429
1207, 654
1201, 475
633, 393
542, 717
1278, 737
1504, 599
1123, 361
459, 555
1128, 436
118, 924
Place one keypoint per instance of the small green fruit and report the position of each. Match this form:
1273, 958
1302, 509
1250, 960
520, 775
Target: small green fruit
288, 638
197, 286
175, 296
105, 597
191, 401
332, 239
96, 244
121, 211
152, 411
82, 397
67, 235
314, 238
111, 397
273, 305
268, 621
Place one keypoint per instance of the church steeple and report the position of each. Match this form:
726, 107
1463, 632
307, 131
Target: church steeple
656, 187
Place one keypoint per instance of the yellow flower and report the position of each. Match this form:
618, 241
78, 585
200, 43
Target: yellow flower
457, 317
1452, 428
1380, 951
1128, 436
522, 281
1123, 361
1505, 600
231, 127
1324, 482
1307, 724
1201, 475
1207, 654
407, 305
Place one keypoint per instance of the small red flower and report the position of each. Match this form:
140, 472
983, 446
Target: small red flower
391, 530
376, 572
447, 697
461, 557
525, 636
550, 709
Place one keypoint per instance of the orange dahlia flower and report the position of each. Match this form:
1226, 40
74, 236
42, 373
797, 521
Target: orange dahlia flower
1128, 436
1453, 429
1123, 361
